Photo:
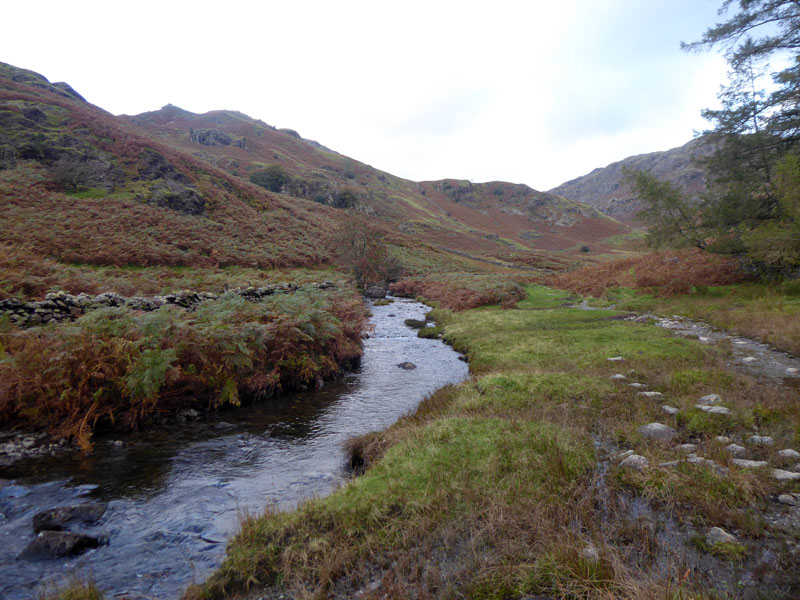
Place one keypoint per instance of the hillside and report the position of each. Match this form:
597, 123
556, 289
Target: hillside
82, 190
605, 189
490, 220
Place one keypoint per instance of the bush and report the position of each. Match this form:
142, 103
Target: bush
461, 291
273, 178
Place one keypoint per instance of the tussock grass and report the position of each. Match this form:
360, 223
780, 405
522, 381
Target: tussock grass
496, 487
461, 291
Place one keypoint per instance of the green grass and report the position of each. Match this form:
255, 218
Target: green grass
488, 491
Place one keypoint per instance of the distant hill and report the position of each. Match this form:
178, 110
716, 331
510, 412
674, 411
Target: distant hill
605, 190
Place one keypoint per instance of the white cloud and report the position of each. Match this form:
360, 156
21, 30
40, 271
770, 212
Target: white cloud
521, 91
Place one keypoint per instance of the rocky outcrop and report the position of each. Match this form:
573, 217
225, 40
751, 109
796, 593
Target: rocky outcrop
60, 306
171, 188
376, 292
605, 188
209, 137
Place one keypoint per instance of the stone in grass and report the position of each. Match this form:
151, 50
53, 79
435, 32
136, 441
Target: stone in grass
710, 399
789, 454
618, 377
748, 464
782, 475
787, 499
717, 535
658, 431
686, 448
590, 554
650, 394
736, 449
616, 359
637, 385
713, 410
624, 454
670, 410
761, 440
723, 439
634, 461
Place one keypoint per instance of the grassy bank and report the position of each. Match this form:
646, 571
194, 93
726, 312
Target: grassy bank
118, 368
509, 484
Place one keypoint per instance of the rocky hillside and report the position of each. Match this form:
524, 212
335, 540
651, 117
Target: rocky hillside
606, 190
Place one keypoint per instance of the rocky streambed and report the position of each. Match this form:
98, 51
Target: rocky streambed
160, 505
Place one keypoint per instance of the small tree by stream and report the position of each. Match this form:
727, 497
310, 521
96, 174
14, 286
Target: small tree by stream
360, 246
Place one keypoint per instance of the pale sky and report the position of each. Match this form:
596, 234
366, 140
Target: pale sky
529, 91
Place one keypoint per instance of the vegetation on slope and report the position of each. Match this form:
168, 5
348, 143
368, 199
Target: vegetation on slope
120, 368
493, 488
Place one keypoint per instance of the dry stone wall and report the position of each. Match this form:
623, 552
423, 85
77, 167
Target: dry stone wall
60, 306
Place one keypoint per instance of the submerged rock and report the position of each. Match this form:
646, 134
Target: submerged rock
60, 518
49, 545
408, 366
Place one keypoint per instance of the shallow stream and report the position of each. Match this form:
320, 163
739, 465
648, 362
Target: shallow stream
176, 495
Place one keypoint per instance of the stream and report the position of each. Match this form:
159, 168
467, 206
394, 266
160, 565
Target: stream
175, 495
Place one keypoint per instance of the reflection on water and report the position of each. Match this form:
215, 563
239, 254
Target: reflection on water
175, 495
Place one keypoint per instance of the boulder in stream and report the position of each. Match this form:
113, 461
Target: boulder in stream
58, 519
49, 545
376, 292
408, 366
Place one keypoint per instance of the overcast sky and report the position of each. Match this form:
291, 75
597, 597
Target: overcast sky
530, 91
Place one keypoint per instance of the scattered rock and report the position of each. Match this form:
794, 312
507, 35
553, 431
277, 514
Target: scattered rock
789, 454
782, 475
634, 461
49, 545
624, 454
670, 410
714, 410
761, 440
722, 439
616, 359
792, 370
710, 399
736, 449
408, 366
57, 519
749, 359
618, 377
118, 444
717, 535
787, 499
658, 431
650, 394
686, 448
748, 464
637, 385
